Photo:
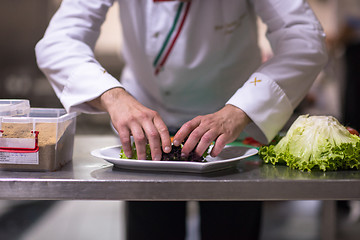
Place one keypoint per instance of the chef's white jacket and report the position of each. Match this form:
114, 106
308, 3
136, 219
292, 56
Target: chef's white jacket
188, 59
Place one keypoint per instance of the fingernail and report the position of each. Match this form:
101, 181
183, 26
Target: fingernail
183, 155
176, 143
167, 149
157, 158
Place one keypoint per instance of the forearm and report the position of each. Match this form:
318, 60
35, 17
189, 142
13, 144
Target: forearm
105, 100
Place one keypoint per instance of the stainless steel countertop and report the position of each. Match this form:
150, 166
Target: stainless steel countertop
88, 177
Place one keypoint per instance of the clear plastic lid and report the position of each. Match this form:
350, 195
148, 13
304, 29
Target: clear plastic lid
14, 107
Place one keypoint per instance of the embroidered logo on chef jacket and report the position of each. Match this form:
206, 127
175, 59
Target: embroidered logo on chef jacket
255, 81
230, 27
172, 35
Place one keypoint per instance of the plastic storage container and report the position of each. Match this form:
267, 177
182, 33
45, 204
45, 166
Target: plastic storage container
42, 141
14, 107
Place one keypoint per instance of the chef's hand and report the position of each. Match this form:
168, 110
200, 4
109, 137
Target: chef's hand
223, 127
130, 117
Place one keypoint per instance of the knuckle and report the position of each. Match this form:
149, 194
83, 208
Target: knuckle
207, 138
155, 114
124, 136
125, 141
140, 116
153, 134
155, 150
140, 139
209, 122
163, 130
151, 114
198, 118
124, 122
188, 124
119, 123
196, 134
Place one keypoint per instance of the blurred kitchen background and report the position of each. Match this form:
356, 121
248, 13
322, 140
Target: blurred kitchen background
23, 24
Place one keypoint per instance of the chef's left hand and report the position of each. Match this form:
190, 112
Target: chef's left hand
223, 127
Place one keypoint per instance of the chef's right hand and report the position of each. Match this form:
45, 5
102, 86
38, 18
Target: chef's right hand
130, 117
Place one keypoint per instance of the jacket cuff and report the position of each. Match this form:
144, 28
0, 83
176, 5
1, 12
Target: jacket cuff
86, 83
266, 105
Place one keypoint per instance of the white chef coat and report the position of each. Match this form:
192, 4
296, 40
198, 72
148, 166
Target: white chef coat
214, 61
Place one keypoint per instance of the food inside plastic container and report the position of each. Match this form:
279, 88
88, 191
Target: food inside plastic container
43, 141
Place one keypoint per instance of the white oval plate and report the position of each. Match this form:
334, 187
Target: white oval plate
228, 158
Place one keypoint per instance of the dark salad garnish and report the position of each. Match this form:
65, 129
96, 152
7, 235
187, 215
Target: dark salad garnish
174, 155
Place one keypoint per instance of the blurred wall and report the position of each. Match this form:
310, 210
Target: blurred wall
22, 25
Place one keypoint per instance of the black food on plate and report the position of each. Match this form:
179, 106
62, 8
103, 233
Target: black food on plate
175, 155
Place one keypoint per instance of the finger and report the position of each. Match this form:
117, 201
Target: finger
205, 142
140, 140
153, 137
164, 134
185, 130
219, 145
124, 135
193, 139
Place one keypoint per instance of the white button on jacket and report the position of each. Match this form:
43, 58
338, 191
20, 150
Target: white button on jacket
185, 59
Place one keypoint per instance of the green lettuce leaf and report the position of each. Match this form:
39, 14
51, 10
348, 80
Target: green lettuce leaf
134, 152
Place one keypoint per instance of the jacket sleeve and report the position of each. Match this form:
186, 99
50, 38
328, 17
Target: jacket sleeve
271, 94
66, 53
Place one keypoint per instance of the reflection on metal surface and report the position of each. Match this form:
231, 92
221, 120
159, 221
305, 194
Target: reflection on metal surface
269, 171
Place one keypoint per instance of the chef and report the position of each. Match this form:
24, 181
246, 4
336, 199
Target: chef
190, 65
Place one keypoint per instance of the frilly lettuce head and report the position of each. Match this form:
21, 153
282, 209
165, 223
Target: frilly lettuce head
315, 142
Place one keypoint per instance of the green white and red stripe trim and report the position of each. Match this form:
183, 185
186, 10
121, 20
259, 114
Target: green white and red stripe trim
172, 36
